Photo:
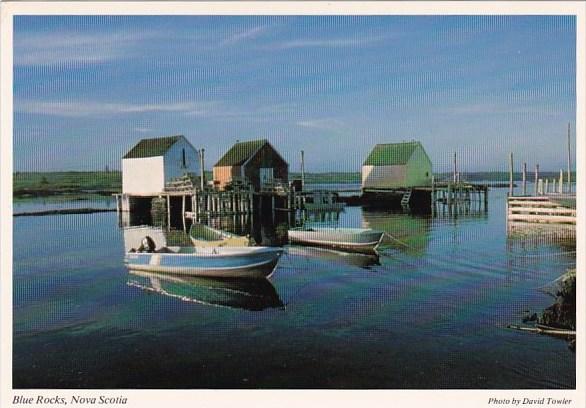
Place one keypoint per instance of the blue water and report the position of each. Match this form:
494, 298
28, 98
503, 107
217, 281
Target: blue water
59, 203
430, 313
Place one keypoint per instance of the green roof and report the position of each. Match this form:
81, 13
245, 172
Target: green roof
240, 152
391, 154
152, 147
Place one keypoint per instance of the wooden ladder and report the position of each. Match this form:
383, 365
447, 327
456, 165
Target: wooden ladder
406, 198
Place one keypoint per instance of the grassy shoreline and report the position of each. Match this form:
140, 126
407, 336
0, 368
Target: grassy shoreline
43, 184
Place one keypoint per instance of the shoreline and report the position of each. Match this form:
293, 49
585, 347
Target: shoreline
65, 211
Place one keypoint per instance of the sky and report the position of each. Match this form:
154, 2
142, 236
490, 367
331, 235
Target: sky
87, 88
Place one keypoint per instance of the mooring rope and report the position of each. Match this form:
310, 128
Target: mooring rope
386, 234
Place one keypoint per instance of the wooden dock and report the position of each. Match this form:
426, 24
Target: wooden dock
531, 215
183, 201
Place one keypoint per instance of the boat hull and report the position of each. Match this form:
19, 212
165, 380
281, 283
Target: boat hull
351, 240
248, 294
219, 262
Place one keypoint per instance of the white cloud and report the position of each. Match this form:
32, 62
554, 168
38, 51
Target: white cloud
357, 41
85, 108
245, 35
322, 124
72, 47
142, 130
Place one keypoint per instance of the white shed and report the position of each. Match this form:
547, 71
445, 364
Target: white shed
396, 166
153, 162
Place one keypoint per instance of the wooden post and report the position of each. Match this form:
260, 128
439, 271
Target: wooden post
183, 211
569, 162
202, 171
511, 175
455, 168
554, 186
117, 204
302, 170
536, 178
546, 186
432, 190
524, 179
561, 181
168, 212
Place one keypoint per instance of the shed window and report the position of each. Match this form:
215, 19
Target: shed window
183, 161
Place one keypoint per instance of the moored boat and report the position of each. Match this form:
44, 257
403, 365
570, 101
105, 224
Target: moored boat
219, 262
361, 240
204, 236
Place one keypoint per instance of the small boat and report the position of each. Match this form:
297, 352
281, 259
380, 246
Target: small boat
361, 240
247, 294
220, 262
204, 236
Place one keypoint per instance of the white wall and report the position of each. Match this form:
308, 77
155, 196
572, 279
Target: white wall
383, 176
143, 176
174, 160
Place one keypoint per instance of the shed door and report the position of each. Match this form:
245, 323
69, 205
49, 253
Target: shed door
266, 175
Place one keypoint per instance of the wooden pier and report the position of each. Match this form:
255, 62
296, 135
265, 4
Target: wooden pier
540, 215
183, 200
550, 212
457, 192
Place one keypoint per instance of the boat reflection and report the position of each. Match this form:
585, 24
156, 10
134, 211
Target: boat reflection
331, 255
410, 233
247, 294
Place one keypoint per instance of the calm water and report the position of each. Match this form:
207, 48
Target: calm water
429, 314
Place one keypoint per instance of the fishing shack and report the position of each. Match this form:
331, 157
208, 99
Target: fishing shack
395, 172
153, 163
256, 162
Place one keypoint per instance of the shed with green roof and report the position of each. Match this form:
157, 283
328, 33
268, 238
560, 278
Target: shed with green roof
256, 161
393, 166
151, 163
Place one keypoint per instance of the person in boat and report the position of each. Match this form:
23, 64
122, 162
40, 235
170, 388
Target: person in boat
147, 245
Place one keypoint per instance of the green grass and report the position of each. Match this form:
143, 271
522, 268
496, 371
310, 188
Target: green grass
41, 184
331, 177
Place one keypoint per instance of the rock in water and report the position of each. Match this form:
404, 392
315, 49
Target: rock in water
562, 314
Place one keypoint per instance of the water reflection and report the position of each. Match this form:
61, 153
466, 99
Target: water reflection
248, 294
330, 255
405, 232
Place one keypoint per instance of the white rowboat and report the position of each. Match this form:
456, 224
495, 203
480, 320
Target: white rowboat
361, 240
